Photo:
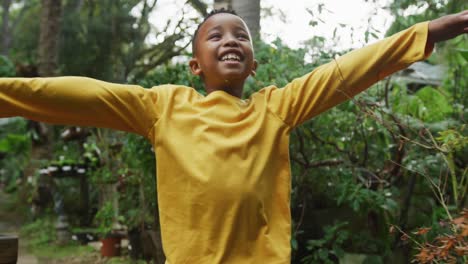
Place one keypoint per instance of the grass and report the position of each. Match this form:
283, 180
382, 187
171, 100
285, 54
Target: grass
40, 241
39, 238
54, 251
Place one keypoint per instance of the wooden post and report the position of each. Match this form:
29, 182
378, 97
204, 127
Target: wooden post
8, 249
84, 200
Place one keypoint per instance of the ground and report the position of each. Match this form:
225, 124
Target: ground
9, 224
11, 221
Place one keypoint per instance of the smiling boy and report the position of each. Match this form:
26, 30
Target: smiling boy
223, 53
223, 169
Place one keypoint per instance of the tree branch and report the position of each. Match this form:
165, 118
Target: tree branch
305, 159
200, 6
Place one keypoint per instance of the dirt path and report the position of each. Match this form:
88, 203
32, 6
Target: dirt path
10, 224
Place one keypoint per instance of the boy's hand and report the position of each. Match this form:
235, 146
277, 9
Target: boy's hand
447, 27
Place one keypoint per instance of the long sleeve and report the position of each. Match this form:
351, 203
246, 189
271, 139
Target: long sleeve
345, 77
80, 101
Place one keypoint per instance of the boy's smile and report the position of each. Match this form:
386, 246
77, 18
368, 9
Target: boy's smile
224, 56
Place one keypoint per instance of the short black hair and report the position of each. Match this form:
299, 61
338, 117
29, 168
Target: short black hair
212, 13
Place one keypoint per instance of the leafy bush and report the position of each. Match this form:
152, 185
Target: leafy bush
41, 232
138, 185
15, 145
7, 68
105, 218
329, 247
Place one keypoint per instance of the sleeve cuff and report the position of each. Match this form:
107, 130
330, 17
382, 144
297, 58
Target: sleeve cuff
422, 33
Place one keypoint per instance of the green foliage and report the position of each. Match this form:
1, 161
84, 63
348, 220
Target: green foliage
104, 39
102, 151
15, 145
105, 219
41, 232
39, 236
328, 248
172, 74
26, 32
427, 104
90, 154
410, 12
104, 175
439, 161
383, 164
7, 68
278, 65
453, 140
67, 153
362, 199
463, 53
138, 197
98, 32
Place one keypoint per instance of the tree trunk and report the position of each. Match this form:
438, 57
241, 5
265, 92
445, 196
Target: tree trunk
48, 54
49, 37
48, 62
48, 57
6, 32
249, 10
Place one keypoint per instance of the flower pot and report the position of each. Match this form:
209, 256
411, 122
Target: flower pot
110, 246
8, 249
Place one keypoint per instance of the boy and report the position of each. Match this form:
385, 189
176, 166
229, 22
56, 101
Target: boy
222, 162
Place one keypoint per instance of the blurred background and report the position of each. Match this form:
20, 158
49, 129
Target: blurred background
380, 179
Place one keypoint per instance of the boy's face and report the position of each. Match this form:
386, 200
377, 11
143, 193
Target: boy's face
224, 56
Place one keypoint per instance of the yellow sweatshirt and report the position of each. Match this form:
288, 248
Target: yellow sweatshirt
223, 171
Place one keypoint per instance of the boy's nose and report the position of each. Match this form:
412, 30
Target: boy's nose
231, 41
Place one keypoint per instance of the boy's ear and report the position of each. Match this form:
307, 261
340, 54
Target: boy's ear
254, 69
195, 67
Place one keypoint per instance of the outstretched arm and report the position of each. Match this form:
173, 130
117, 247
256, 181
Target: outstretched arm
352, 73
79, 101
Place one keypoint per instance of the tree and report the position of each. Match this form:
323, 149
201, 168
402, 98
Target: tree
249, 10
6, 33
112, 39
49, 37
48, 66
10, 21
109, 36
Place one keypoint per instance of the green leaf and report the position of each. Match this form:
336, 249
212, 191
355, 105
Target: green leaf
323, 254
464, 53
339, 252
294, 244
7, 68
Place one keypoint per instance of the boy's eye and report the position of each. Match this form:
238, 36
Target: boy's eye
214, 36
243, 36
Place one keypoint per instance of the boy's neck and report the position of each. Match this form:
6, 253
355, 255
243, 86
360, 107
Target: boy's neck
234, 90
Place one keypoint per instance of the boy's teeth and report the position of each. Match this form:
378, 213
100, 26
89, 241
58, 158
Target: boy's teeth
230, 56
